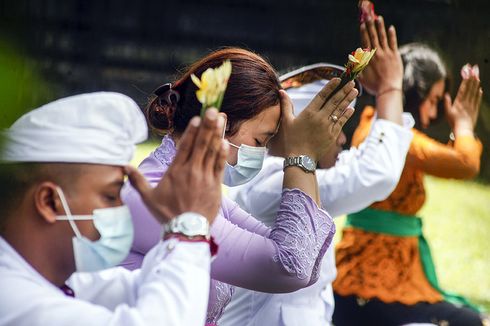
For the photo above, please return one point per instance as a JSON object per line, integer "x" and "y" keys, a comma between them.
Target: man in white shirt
{"x": 348, "y": 181}
{"x": 62, "y": 168}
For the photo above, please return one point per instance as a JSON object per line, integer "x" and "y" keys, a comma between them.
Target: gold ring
{"x": 334, "y": 118}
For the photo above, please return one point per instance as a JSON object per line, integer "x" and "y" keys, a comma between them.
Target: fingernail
{"x": 476, "y": 71}
{"x": 195, "y": 121}
{"x": 212, "y": 113}
{"x": 465, "y": 71}
{"x": 221, "y": 122}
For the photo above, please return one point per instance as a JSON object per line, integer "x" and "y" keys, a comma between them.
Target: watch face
{"x": 192, "y": 224}
{"x": 308, "y": 163}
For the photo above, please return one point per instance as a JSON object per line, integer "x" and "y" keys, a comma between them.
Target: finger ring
{"x": 334, "y": 118}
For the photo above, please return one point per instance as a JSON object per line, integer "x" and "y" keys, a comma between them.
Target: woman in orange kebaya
{"x": 385, "y": 271}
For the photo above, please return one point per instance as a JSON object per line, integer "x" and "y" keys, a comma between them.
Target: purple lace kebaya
{"x": 280, "y": 259}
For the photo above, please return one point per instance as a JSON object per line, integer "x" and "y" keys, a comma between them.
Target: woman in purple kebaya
{"x": 285, "y": 257}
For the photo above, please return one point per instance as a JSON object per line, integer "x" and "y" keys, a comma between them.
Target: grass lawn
{"x": 457, "y": 226}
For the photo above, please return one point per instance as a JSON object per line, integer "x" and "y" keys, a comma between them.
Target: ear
{"x": 225, "y": 125}
{"x": 47, "y": 201}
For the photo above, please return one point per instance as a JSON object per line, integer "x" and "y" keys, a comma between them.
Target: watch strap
{"x": 188, "y": 224}
{"x": 297, "y": 161}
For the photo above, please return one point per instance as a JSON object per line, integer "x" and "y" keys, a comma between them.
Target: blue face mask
{"x": 116, "y": 236}
{"x": 249, "y": 163}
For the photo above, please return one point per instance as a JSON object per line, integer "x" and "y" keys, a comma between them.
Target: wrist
{"x": 213, "y": 247}
{"x": 463, "y": 128}
{"x": 306, "y": 163}
{"x": 190, "y": 225}
{"x": 461, "y": 132}
{"x": 395, "y": 83}
{"x": 300, "y": 152}
{"x": 389, "y": 90}
{"x": 183, "y": 237}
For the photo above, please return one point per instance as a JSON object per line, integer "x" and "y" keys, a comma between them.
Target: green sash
{"x": 392, "y": 223}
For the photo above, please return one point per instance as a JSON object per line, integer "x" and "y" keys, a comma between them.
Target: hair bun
{"x": 161, "y": 108}
{"x": 167, "y": 95}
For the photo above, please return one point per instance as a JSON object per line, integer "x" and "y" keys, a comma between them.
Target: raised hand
{"x": 318, "y": 125}
{"x": 462, "y": 114}
{"x": 385, "y": 71}
{"x": 193, "y": 182}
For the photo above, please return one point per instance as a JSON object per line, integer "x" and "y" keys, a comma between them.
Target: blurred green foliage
{"x": 21, "y": 87}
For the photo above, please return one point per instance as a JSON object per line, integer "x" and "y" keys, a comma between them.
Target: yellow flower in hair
{"x": 212, "y": 86}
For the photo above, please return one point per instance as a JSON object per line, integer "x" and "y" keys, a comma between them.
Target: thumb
{"x": 287, "y": 109}
{"x": 138, "y": 182}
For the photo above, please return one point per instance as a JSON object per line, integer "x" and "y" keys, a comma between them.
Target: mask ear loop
{"x": 223, "y": 136}
{"x": 68, "y": 213}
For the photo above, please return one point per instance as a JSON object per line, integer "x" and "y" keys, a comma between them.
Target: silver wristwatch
{"x": 303, "y": 161}
{"x": 188, "y": 224}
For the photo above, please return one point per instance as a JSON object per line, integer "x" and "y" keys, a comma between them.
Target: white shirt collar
{"x": 11, "y": 259}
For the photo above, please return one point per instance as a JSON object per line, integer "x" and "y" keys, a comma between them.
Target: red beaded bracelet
{"x": 181, "y": 237}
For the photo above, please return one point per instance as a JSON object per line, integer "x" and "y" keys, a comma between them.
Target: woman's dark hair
{"x": 253, "y": 87}
{"x": 423, "y": 67}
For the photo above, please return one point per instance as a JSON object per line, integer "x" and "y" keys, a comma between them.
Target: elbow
{"x": 294, "y": 284}
{"x": 466, "y": 170}
{"x": 301, "y": 283}
{"x": 387, "y": 183}
{"x": 470, "y": 172}
{"x": 294, "y": 277}
{"x": 383, "y": 184}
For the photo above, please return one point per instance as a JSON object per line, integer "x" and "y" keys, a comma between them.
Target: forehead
{"x": 267, "y": 121}
{"x": 98, "y": 175}
{"x": 438, "y": 88}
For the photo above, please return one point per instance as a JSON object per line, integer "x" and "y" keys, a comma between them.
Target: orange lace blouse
{"x": 372, "y": 265}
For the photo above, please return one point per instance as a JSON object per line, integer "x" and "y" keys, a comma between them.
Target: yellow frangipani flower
{"x": 358, "y": 60}
{"x": 212, "y": 85}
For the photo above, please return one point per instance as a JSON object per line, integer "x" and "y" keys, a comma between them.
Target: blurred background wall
{"x": 53, "y": 48}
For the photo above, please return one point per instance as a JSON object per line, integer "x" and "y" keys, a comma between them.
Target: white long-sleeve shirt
{"x": 171, "y": 288}
{"x": 360, "y": 177}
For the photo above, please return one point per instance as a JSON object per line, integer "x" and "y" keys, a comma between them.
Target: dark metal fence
{"x": 133, "y": 46}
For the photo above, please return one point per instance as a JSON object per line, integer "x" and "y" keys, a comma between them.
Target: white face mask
{"x": 116, "y": 236}
{"x": 249, "y": 164}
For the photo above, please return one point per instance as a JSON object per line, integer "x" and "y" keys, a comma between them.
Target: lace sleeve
{"x": 280, "y": 259}
{"x": 220, "y": 295}
{"x": 303, "y": 233}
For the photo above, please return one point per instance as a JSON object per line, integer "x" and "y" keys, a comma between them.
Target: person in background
{"x": 64, "y": 225}
{"x": 282, "y": 258}
{"x": 385, "y": 271}
{"x": 348, "y": 181}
